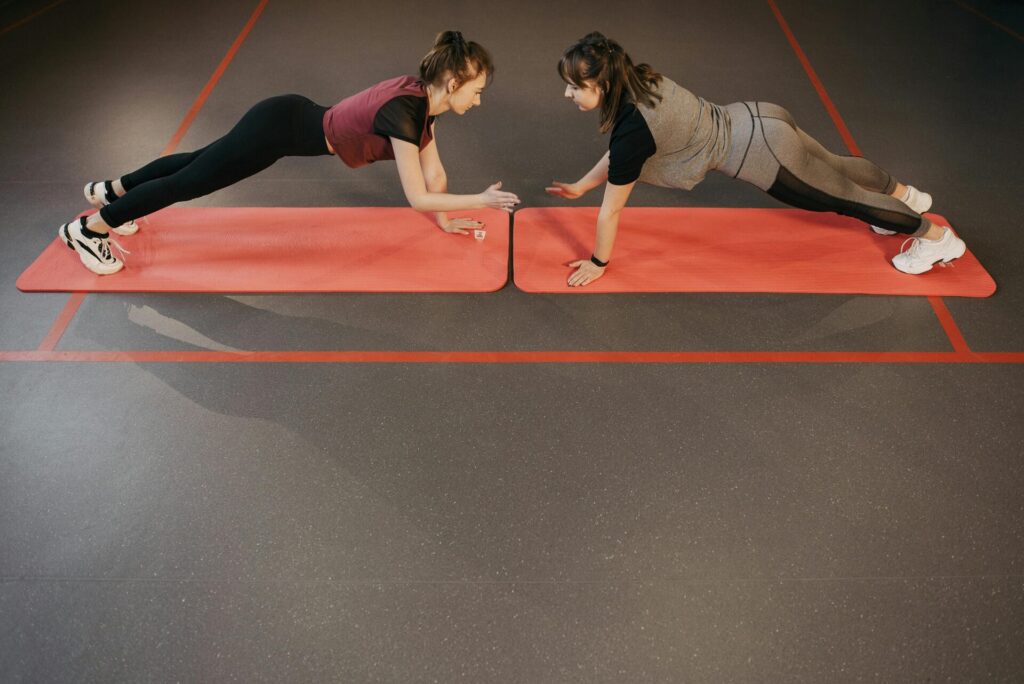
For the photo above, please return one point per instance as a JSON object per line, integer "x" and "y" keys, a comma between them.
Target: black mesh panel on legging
{"x": 791, "y": 190}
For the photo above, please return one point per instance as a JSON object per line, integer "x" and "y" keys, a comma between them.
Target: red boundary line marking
{"x": 212, "y": 83}
{"x": 949, "y": 326}
{"x": 705, "y": 357}
{"x": 956, "y": 338}
{"x": 844, "y": 132}
{"x": 25, "y": 20}
{"x": 989, "y": 19}
{"x": 76, "y": 299}
{"x": 49, "y": 342}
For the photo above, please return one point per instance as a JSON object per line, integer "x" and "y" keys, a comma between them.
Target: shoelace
{"x": 913, "y": 247}
{"x": 120, "y": 249}
{"x": 104, "y": 247}
{"x": 912, "y": 252}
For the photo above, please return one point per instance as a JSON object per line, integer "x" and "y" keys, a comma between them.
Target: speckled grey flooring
{"x": 510, "y": 523}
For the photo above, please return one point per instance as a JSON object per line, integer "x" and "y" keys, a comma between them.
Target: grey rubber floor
{"x": 510, "y": 522}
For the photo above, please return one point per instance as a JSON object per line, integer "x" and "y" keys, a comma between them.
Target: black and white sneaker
{"x": 93, "y": 248}
{"x": 101, "y": 193}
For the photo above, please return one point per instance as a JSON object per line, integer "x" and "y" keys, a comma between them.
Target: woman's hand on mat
{"x": 494, "y": 198}
{"x": 564, "y": 190}
{"x": 461, "y": 226}
{"x": 586, "y": 272}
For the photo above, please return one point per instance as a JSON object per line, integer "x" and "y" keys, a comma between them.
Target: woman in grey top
{"x": 664, "y": 135}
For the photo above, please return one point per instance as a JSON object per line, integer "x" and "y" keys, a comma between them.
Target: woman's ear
{"x": 453, "y": 85}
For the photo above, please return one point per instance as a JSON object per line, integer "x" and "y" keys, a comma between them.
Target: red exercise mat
{"x": 729, "y": 250}
{"x": 258, "y": 249}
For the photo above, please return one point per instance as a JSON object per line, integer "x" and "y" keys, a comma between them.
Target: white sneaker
{"x": 93, "y": 251}
{"x": 96, "y": 194}
{"x": 919, "y": 201}
{"x": 923, "y": 254}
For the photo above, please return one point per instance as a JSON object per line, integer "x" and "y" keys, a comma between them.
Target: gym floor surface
{"x": 508, "y": 487}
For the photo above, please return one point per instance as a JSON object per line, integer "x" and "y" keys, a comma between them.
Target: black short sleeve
{"x": 402, "y": 117}
{"x": 631, "y": 145}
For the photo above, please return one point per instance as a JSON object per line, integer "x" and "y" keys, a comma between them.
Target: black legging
{"x": 286, "y": 125}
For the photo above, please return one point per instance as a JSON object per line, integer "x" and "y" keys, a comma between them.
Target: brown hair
{"x": 453, "y": 57}
{"x": 597, "y": 58}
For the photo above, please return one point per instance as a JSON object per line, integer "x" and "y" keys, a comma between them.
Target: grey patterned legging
{"x": 768, "y": 150}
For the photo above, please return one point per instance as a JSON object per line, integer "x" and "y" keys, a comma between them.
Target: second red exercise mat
{"x": 730, "y": 250}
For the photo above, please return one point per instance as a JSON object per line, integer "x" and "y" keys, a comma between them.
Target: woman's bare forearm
{"x": 607, "y": 229}
{"x": 442, "y": 202}
{"x": 596, "y": 175}
{"x": 439, "y": 184}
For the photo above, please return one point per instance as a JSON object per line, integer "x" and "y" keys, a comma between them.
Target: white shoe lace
{"x": 912, "y": 252}
{"x": 120, "y": 249}
{"x": 104, "y": 248}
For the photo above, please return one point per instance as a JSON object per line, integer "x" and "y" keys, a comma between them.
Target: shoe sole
{"x": 924, "y": 207}
{"x": 91, "y": 199}
{"x": 63, "y": 233}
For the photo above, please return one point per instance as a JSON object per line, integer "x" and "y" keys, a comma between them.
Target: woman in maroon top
{"x": 391, "y": 120}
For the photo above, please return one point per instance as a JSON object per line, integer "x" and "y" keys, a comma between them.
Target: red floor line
{"x": 75, "y": 301}
{"x": 844, "y": 132}
{"x": 956, "y": 338}
{"x": 212, "y": 83}
{"x": 25, "y": 20}
{"x": 702, "y": 357}
{"x": 949, "y": 326}
{"x": 49, "y": 343}
{"x": 989, "y": 19}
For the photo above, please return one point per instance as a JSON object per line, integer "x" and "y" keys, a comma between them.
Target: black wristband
{"x": 597, "y": 262}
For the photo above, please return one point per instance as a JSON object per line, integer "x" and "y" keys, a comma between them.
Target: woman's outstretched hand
{"x": 461, "y": 226}
{"x": 564, "y": 190}
{"x": 586, "y": 272}
{"x": 494, "y": 198}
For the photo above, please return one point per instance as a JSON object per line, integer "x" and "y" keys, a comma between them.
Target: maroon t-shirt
{"x": 359, "y": 127}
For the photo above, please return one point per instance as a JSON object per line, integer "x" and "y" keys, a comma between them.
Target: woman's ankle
{"x": 96, "y": 224}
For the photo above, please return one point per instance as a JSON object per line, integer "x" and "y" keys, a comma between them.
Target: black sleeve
{"x": 631, "y": 145}
{"x": 402, "y": 117}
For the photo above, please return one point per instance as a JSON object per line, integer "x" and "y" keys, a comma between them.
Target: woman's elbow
{"x": 437, "y": 182}
{"x": 417, "y": 202}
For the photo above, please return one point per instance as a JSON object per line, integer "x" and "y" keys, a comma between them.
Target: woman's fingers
{"x": 461, "y": 226}
{"x": 560, "y": 189}
{"x": 585, "y": 274}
